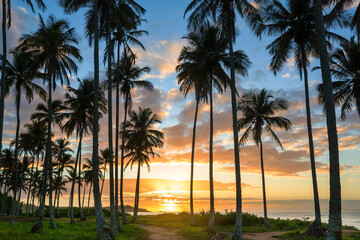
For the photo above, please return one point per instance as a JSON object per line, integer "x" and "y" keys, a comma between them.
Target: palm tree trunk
{"x": 317, "y": 222}
{"x": 19, "y": 197}
{"x": 13, "y": 204}
{"x": 114, "y": 224}
{"x": 124, "y": 218}
{"x": 238, "y": 219}
{"x": 51, "y": 209}
{"x": 57, "y": 191}
{"x": 58, "y": 197}
{"x": 100, "y": 220}
{"x": 72, "y": 219}
{"x": 211, "y": 225}
{"x": 103, "y": 181}
{"x": 117, "y": 146}
{"x": 3, "y": 201}
{"x": 3, "y": 71}
{"x": 89, "y": 199}
{"x": 335, "y": 221}
{"x": 82, "y": 206}
{"x": 192, "y": 217}
{"x": 30, "y": 183}
{"x": 266, "y": 221}
{"x": 39, "y": 225}
{"x": 137, "y": 193}
{"x": 82, "y": 217}
{"x": 36, "y": 171}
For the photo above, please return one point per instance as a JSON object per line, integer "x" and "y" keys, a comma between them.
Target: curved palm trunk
{"x": 124, "y": 218}
{"x": 100, "y": 220}
{"x": 34, "y": 193}
{"x": 30, "y": 183}
{"x": 266, "y": 221}
{"x": 192, "y": 217}
{"x": 88, "y": 208}
{"x": 57, "y": 191}
{"x": 72, "y": 219}
{"x": 81, "y": 212}
{"x": 3, "y": 71}
{"x": 335, "y": 221}
{"x": 211, "y": 225}
{"x": 58, "y": 196}
{"x": 13, "y": 204}
{"x": 114, "y": 224}
{"x": 137, "y": 193}
{"x": 117, "y": 148}
{"x": 238, "y": 219}
{"x": 39, "y": 225}
{"x": 317, "y": 222}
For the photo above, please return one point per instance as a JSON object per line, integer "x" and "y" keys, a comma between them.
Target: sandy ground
{"x": 160, "y": 233}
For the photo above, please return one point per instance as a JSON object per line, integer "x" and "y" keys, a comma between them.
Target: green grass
{"x": 79, "y": 231}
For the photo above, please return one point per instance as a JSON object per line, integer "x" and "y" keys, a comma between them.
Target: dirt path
{"x": 160, "y": 233}
{"x": 262, "y": 236}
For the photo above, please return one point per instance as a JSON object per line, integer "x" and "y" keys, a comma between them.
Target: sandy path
{"x": 160, "y": 233}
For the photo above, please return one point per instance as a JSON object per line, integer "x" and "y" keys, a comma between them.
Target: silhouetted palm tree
{"x": 80, "y": 103}
{"x": 53, "y": 47}
{"x": 20, "y": 74}
{"x": 259, "y": 110}
{"x": 141, "y": 139}
{"x": 72, "y": 6}
{"x": 345, "y": 69}
{"x": 104, "y": 159}
{"x": 224, "y": 12}
{"x": 6, "y": 23}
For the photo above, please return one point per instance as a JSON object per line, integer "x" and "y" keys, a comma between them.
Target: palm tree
{"x": 258, "y": 111}
{"x": 71, "y": 6}
{"x": 189, "y": 79}
{"x": 53, "y": 47}
{"x": 58, "y": 109}
{"x": 296, "y": 28}
{"x": 36, "y": 137}
{"x": 224, "y": 12}
{"x": 7, "y": 157}
{"x": 125, "y": 32}
{"x": 6, "y": 23}
{"x": 344, "y": 67}
{"x": 80, "y": 103}
{"x": 335, "y": 222}
{"x": 129, "y": 74}
{"x": 20, "y": 74}
{"x": 207, "y": 54}
{"x": 62, "y": 152}
{"x": 104, "y": 159}
{"x": 141, "y": 139}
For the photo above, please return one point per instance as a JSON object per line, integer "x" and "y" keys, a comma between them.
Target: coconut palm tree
{"x": 62, "y": 153}
{"x": 36, "y": 137}
{"x": 72, "y": 6}
{"x": 141, "y": 139}
{"x": 296, "y": 35}
{"x": 80, "y": 103}
{"x": 129, "y": 74}
{"x": 189, "y": 79}
{"x": 207, "y": 53}
{"x": 259, "y": 110}
{"x": 53, "y": 47}
{"x": 7, "y": 157}
{"x": 224, "y": 12}
{"x": 58, "y": 111}
{"x": 20, "y": 75}
{"x": 344, "y": 68}
{"x": 6, "y": 23}
{"x": 104, "y": 159}
{"x": 335, "y": 222}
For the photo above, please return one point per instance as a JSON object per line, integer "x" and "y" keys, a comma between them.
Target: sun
{"x": 170, "y": 205}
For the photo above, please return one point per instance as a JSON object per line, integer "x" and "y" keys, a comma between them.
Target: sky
{"x": 166, "y": 186}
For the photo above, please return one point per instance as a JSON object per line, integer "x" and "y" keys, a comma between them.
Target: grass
{"x": 79, "y": 231}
